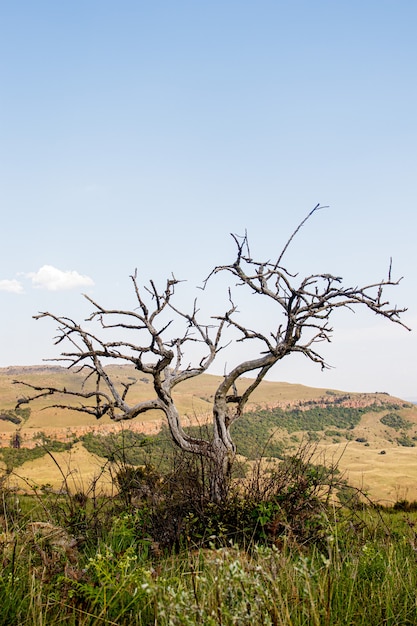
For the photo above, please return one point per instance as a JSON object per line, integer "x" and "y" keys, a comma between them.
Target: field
{"x": 369, "y": 454}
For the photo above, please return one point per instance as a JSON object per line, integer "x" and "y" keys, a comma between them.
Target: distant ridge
{"x": 16, "y": 370}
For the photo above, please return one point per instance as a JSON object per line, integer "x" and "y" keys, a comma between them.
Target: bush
{"x": 406, "y": 441}
{"x": 288, "y": 501}
{"x": 16, "y": 416}
{"x": 126, "y": 447}
{"x": 396, "y": 421}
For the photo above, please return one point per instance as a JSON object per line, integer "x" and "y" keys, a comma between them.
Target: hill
{"x": 373, "y": 434}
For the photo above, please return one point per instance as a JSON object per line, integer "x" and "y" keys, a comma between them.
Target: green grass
{"x": 280, "y": 551}
{"x": 365, "y": 579}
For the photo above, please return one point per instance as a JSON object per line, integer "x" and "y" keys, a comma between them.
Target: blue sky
{"x": 141, "y": 134}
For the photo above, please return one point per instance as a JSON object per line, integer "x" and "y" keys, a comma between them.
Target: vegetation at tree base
{"x": 291, "y": 544}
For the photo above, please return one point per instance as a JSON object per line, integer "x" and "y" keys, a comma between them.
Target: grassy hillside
{"x": 373, "y": 434}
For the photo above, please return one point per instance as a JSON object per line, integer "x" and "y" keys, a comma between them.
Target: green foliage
{"x": 280, "y": 550}
{"x": 139, "y": 483}
{"x": 367, "y": 577}
{"x": 253, "y": 432}
{"x": 176, "y": 504}
{"x": 114, "y": 586}
{"x": 333, "y": 433}
{"x": 131, "y": 448}
{"x": 23, "y": 412}
{"x": 405, "y": 505}
{"x": 406, "y": 441}
{"x": 396, "y": 421}
{"x": 14, "y": 457}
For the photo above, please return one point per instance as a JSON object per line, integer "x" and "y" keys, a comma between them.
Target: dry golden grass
{"x": 386, "y": 478}
{"x": 79, "y": 468}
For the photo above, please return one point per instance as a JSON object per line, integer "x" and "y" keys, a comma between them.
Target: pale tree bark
{"x": 304, "y": 307}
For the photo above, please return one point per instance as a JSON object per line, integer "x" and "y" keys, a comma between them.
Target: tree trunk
{"x": 222, "y": 456}
{"x": 220, "y": 453}
{"x": 220, "y": 473}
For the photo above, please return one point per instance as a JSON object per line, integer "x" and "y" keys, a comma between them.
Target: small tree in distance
{"x": 304, "y": 307}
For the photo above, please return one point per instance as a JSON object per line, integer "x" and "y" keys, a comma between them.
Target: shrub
{"x": 16, "y": 416}
{"x": 396, "y": 421}
{"x": 406, "y": 441}
{"x": 126, "y": 447}
{"x": 288, "y": 501}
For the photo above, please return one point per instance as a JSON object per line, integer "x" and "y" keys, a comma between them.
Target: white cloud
{"x": 53, "y": 279}
{"x": 12, "y": 286}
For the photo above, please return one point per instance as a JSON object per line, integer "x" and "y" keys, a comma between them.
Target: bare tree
{"x": 304, "y": 307}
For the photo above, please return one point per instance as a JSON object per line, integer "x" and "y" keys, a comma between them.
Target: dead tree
{"x": 303, "y": 308}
